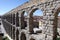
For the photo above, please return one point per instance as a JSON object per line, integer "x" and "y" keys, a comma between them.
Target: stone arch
{"x": 23, "y": 36}
{"x": 31, "y": 22}
{"x": 56, "y": 12}
{"x": 23, "y": 22}
{"x": 17, "y": 34}
{"x": 17, "y": 19}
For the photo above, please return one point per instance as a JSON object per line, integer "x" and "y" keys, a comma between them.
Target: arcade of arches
{"x": 21, "y": 26}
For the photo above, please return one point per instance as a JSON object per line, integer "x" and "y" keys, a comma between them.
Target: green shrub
{"x": 58, "y": 39}
{"x": 5, "y": 38}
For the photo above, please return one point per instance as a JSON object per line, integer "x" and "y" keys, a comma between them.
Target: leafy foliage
{"x": 58, "y": 39}
{"x": 5, "y": 38}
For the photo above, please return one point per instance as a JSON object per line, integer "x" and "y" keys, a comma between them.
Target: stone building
{"x": 15, "y": 23}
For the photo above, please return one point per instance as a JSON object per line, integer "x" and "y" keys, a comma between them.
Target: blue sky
{"x": 7, "y": 5}
{"x": 36, "y": 13}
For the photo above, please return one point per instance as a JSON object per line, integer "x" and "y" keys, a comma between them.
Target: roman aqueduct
{"x": 14, "y": 20}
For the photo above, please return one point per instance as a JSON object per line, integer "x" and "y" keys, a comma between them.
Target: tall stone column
{"x": 30, "y": 24}
{"x": 48, "y": 27}
{"x": 15, "y": 26}
{"x": 20, "y": 20}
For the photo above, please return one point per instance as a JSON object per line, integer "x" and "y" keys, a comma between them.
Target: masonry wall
{"x": 50, "y": 9}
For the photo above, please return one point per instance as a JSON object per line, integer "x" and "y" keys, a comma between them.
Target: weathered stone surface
{"x": 50, "y": 9}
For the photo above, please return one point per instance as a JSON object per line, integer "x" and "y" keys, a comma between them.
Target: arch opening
{"x": 17, "y": 34}
{"x": 35, "y": 21}
{"x": 23, "y": 20}
{"x": 17, "y": 19}
{"x": 13, "y": 19}
{"x": 23, "y": 36}
{"x": 13, "y": 33}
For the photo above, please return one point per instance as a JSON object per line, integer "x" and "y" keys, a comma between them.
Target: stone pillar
{"x": 48, "y": 26}
{"x": 30, "y": 24}
{"x": 21, "y": 20}
{"x": 15, "y": 26}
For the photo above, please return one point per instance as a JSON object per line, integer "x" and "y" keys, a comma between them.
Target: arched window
{"x": 35, "y": 21}
{"x": 23, "y": 20}
{"x": 37, "y": 16}
{"x": 25, "y": 14}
